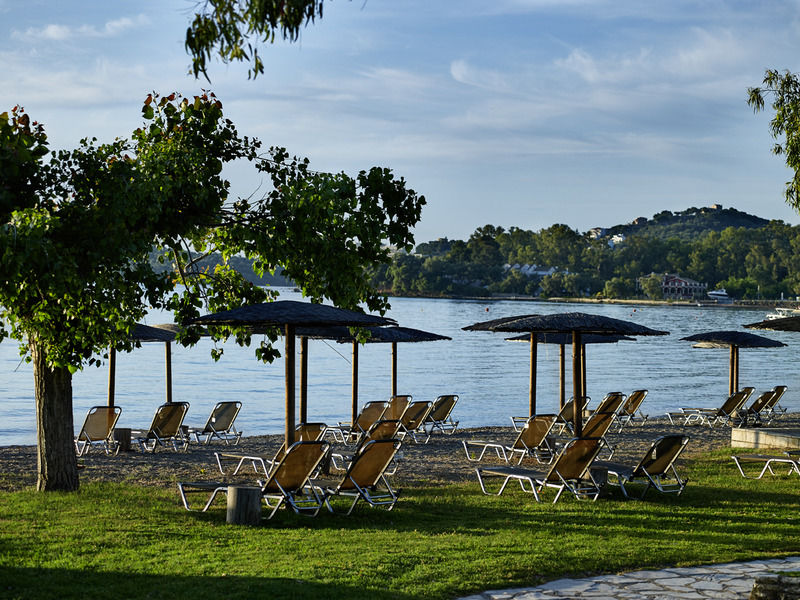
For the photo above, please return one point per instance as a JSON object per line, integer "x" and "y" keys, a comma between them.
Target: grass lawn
{"x": 124, "y": 541}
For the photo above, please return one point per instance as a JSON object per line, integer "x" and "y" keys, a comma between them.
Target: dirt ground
{"x": 439, "y": 462}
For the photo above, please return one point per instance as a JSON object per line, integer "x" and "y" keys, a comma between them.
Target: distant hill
{"x": 242, "y": 265}
{"x": 685, "y": 225}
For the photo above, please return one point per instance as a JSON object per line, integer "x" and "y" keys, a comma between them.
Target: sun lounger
{"x": 751, "y": 415}
{"x": 776, "y": 411}
{"x": 98, "y": 430}
{"x": 413, "y": 422}
{"x": 305, "y": 432}
{"x": 385, "y": 429}
{"x": 349, "y": 433}
{"x": 598, "y": 425}
{"x": 398, "y": 405}
{"x": 440, "y": 418}
{"x": 571, "y": 471}
{"x": 727, "y": 414}
{"x": 166, "y": 428}
{"x": 566, "y": 416}
{"x": 365, "y": 478}
{"x": 531, "y": 441}
{"x": 220, "y": 425}
{"x": 790, "y": 459}
{"x": 656, "y": 468}
{"x": 289, "y": 482}
{"x": 631, "y": 411}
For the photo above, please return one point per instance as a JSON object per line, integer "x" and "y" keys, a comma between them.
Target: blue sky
{"x": 512, "y": 112}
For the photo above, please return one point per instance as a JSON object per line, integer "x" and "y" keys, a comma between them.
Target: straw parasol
{"x": 376, "y": 335}
{"x": 562, "y": 339}
{"x": 576, "y": 324}
{"x": 733, "y": 340}
{"x": 290, "y": 314}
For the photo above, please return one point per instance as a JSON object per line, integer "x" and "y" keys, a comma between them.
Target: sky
{"x": 515, "y": 113}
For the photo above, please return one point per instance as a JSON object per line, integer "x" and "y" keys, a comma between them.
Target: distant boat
{"x": 719, "y": 295}
{"x": 782, "y": 313}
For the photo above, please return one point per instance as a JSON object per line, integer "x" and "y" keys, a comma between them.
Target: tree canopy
{"x": 79, "y": 228}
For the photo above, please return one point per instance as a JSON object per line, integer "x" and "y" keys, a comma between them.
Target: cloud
{"x": 57, "y": 33}
{"x": 463, "y": 72}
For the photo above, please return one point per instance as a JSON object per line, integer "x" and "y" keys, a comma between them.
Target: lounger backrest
{"x": 611, "y": 402}
{"x": 442, "y": 407}
{"x": 369, "y": 464}
{"x": 99, "y": 423}
{"x": 735, "y": 401}
{"x": 567, "y": 413}
{"x": 296, "y": 466}
{"x": 780, "y": 390}
{"x": 662, "y": 454}
{"x": 761, "y": 402}
{"x": 416, "y": 414}
{"x": 574, "y": 459}
{"x": 598, "y": 424}
{"x": 169, "y": 418}
{"x": 398, "y": 405}
{"x": 385, "y": 429}
{"x": 223, "y": 416}
{"x": 633, "y": 402}
{"x": 371, "y": 412}
{"x": 304, "y": 432}
{"x": 534, "y": 432}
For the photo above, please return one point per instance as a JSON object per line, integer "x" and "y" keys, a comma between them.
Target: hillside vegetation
{"x": 749, "y": 256}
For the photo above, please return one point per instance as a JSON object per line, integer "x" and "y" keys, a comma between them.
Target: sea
{"x": 489, "y": 374}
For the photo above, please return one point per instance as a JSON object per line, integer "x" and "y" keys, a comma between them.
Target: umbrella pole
{"x": 304, "y": 379}
{"x": 394, "y": 369}
{"x": 168, "y": 367}
{"x": 731, "y": 370}
{"x": 112, "y": 375}
{"x": 354, "y": 406}
{"x": 290, "y": 383}
{"x": 736, "y": 370}
{"x": 583, "y": 371}
{"x": 577, "y": 385}
{"x": 562, "y": 398}
{"x": 532, "y": 384}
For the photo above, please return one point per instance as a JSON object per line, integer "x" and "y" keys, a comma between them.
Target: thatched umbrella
{"x": 343, "y": 335}
{"x": 733, "y": 340}
{"x": 577, "y": 324}
{"x": 145, "y": 333}
{"x": 562, "y": 339}
{"x": 784, "y": 324}
{"x": 290, "y": 314}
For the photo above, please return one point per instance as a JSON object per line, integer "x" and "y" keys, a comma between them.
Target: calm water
{"x": 489, "y": 374}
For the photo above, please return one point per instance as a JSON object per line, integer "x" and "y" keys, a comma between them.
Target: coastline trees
{"x": 78, "y": 229}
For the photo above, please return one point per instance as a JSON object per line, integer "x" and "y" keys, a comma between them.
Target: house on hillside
{"x": 675, "y": 287}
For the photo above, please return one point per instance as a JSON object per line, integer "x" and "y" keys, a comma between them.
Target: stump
{"x": 122, "y": 435}
{"x": 244, "y": 505}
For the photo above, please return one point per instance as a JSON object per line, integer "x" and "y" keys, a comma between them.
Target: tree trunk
{"x": 57, "y": 465}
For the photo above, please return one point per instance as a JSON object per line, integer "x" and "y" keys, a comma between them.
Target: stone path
{"x": 729, "y": 581}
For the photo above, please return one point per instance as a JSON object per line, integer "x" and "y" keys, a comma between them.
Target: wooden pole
{"x": 354, "y": 407}
{"x": 731, "y": 370}
{"x": 112, "y": 375}
{"x": 288, "y": 360}
{"x": 303, "y": 379}
{"x": 394, "y": 369}
{"x": 168, "y": 367}
{"x": 532, "y": 384}
{"x": 577, "y": 385}
{"x": 562, "y": 397}
{"x": 583, "y": 370}
{"x": 736, "y": 369}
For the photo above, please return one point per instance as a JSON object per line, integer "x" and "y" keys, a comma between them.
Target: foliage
{"x": 455, "y": 540}
{"x": 233, "y": 29}
{"x": 784, "y": 88}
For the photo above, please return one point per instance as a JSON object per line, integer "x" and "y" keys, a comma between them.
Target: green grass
{"x": 124, "y": 541}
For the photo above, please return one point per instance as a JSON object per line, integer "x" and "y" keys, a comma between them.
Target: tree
{"x": 233, "y": 29}
{"x": 79, "y": 229}
{"x": 785, "y": 91}
{"x": 651, "y": 286}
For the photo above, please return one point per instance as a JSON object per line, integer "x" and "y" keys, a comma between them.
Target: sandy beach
{"x": 439, "y": 462}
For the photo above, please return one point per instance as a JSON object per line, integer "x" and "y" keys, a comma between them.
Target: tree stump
{"x": 244, "y": 505}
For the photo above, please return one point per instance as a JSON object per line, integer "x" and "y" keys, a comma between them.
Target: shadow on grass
{"x": 60, "y": 584}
